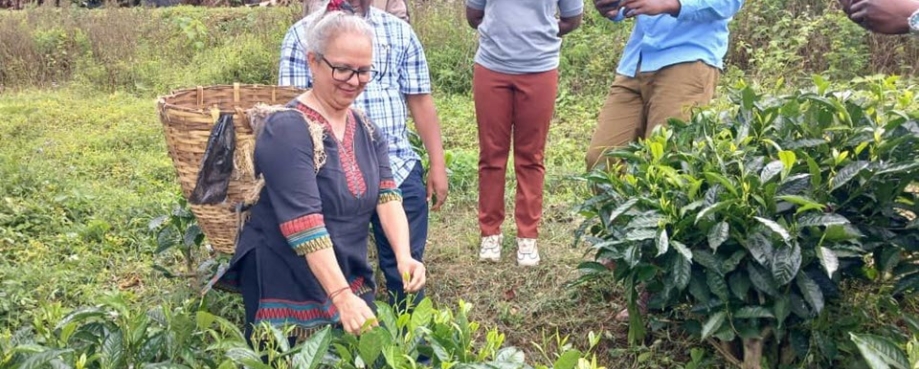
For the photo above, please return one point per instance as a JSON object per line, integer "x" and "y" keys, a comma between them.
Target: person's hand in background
{"x": 882, "y": 16}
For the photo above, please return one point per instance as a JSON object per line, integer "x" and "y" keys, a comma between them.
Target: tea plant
{"x": 179, "y": 230}
{"x": 743, "y": 223}
{"x": 111, "y": 335}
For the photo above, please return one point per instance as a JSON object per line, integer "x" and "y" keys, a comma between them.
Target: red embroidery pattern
{"x": 387, "y": 184}
{"x": 346, "y": 154}
{"x": 302, "y": 223}
{"x": 282, "y": 309}
{"x": 303, "y": 312}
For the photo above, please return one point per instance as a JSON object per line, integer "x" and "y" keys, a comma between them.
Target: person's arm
{"x": 284, "y": 154}
{"x": 890, "y": 17}
{"x": 566, "y": 25}
{"x": 475, "y": 12}
{"x": 393, "y": 219}
{"x": 424, "y": 113}
{"x": 686, "y": 10}
{"x": 708, "y": 10}
{"x": 293, "y": 69}
{"x": 397, "y": 8}
{"x": 845, "y": 6}
{"x": 415, "y": 85}
{"x": 609, "y": 9}
{"x": 570, "y": 13}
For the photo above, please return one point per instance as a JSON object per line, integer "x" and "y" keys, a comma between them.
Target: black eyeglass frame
{"x": 369, "y": 73}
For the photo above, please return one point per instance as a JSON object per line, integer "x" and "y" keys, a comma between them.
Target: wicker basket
{"x": 187, "y": 119}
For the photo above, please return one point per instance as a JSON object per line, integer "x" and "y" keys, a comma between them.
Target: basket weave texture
{"x": 187, "y": 120}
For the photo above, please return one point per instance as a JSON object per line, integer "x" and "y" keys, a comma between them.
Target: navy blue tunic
{"x": 301, "y": 210}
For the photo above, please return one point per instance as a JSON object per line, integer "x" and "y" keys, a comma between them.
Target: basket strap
{"x": 365, "y": 120}
{"x": 317, "y": 132}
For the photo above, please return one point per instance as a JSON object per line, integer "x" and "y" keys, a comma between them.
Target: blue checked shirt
{"x": 401, "y": 69}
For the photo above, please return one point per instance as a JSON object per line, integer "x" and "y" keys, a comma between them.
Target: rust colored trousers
{"x": 512, "y": 109}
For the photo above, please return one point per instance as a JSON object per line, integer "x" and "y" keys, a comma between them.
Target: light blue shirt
{"x": 699, "y": 32}
{"x": 521, "y": 36}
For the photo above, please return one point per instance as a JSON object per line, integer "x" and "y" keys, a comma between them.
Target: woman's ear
{"x": 311, "y": 58}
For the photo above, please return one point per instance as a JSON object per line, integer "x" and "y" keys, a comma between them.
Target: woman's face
{"x": 341, "y": 74}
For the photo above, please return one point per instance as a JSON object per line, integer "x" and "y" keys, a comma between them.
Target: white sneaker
{"x": 491, "y": 248}
{"x": 527, "y": 254}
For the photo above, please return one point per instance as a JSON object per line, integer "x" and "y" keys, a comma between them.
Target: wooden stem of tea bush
{"x": 724, "y": 348}
{"x": 752, "y": 353}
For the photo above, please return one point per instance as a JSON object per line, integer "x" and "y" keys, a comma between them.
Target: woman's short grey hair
{"x": 327, "y": 25}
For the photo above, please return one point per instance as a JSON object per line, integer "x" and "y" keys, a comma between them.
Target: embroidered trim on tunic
{"x": 307, "y": 234}
{"x": 389, "y": 192}
{"x": 307, "y": 316}
{"x": 346, "y": 154}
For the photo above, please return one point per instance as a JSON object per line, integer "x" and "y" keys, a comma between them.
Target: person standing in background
{"x": 394, "y": 7}
{"x": 515, "y": 82}
{"x": 672, "y": 61}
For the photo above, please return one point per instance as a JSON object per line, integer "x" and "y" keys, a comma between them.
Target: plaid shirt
{"x": 401, "y": 70}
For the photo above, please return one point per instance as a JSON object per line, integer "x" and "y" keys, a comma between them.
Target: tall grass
{"x": 150, "y": 51}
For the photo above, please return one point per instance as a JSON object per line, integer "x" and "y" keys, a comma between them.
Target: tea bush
{"x": 113, "y": 335}
{"x": 743, "y": 223}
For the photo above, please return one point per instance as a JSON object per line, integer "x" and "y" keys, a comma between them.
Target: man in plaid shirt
{"x": 401, "y": 85}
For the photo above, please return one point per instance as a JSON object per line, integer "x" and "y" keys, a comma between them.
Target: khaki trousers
{"x": 634, "y": 106}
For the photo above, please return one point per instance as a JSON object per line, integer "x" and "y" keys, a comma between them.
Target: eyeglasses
{"x": 344, "y": 74}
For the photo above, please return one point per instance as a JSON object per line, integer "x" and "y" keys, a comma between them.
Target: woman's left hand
{"x": 413, "y": 275}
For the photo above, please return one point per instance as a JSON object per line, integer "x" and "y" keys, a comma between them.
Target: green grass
{"x": 84, "y": 172}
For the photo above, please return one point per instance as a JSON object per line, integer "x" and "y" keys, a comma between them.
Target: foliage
{"x": 796, "y": 38}
{"x": 149, "y": 51}
{"x": 111, "y": 335}
{"x": 462, "y": 166}
{"x": 140, "y": 50}
{"x": 179, "y": 231}
{"x": 745, "y": 222}
{"x": 774, "y": 39}
{"x": 83, "y": 174}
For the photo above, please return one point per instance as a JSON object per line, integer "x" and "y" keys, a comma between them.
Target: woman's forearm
{"x": 395, "y": 226}
{"x": 324, "y": 266}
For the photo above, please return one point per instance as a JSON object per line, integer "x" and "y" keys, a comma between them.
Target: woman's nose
{"x": 355, "y": 80}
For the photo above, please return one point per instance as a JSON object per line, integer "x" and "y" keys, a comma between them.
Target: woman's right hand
{"x": 353, "y": 312}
